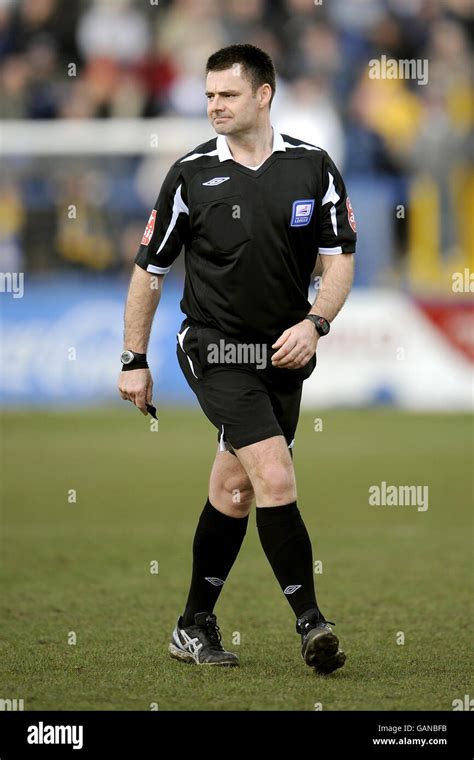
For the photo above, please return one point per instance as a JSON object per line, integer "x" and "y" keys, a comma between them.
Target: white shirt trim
{"x": 223, "y": 150}
{"x": 179, "y": 207}
{"x": 198, "y": 155}
{"x": 302, "y": 145}
{"x": 331, "y": 251}
{"x": 157, "y": 270}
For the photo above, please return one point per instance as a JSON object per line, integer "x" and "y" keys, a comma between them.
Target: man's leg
{"x": 219, "y": 534}
{"x": 286, "y": 543}
{"x": 281, "y": 529}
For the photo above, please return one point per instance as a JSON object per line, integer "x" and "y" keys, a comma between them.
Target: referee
{"x": 253, "y": 209}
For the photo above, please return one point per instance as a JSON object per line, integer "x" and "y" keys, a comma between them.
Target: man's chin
{"x": 223, "y": 127}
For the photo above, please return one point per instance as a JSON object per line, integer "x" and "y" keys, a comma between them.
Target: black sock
{"x": 216, "y": 545}
{"x": 286, "y": 543}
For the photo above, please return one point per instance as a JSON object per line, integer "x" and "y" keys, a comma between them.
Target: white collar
{"x": 223, "y": 150}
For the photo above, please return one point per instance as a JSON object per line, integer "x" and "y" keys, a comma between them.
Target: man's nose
{"x": 217, "y": 104}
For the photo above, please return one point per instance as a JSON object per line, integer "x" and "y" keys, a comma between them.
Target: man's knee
{"x": 270, "y": 469}
{"x": 230, "y": 489}
{"x": 239, "y": 492}
{"x": 275, "y": 484}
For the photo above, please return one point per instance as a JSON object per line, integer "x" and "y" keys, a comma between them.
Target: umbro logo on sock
{"x": 291, "y": 589}
{"x": 215, "y": 581}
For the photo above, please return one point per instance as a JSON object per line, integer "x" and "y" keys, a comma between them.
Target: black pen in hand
{"x": 151, "y": 410}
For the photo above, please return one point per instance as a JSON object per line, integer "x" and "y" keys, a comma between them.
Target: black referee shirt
{"x": 251, "y": 237}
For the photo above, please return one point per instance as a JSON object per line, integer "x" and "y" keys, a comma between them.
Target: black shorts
{"x": 247, "y": 401}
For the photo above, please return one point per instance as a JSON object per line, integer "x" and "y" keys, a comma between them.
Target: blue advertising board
{"x": 61, "y": 343}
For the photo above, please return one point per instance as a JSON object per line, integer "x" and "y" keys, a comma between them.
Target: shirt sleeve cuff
{"x": 157, "y": 270}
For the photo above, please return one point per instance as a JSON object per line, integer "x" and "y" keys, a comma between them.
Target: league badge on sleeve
{"x": 149, "y": 228}
{"x": 302, "y": 213}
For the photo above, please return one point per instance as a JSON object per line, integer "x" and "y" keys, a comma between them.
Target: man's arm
{"x": 165, "y": 234}
{"x": 136, "y": 385}
{"x": 297, "y": 344}
{"x": 337, "y": 275}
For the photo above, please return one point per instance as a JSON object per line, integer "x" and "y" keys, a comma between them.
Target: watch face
{"x": 323, "y": 326}
{"x": 127, "y": 357}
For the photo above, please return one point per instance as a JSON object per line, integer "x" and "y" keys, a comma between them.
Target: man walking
{"x": 253, "y": 209}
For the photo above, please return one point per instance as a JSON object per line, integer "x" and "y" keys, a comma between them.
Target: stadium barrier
{"x": 61, "y": 344}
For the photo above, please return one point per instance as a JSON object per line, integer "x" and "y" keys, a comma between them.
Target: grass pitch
{"x": 85, "y": 624}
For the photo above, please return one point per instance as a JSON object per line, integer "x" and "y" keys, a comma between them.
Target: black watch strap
{"x": 321, "y": 324}
{"x": 133, "y": 360}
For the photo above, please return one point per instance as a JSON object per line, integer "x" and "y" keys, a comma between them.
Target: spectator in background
{"x": 309, "y": 42}
{"x": 257, "y": 23}
{"x": 46, "y": 20}
{"x": 356, "y": 20}
{"x": 450, "y": 72}
{"x": 6, "y": 38}
{"x": 392, "y": 110}
{"x": 369, "y": 150}
{"x": 189, "y": 34}
{"x": 305, "y": 111}
{"x": 14, "y": 80}
{"x": 242, "y": 19}
{"x": 113, "y": 37}
{"x": 12, "y": 217}
{"x": 44, "y": 83}
{"x": 41, "y": 37}
{"x": 445, "y": 129}
{"x": 87, "y": 242}
{"x": 113, "y": 29}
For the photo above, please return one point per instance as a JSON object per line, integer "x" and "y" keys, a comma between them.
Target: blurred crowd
{"x": 85, "y": 59}
{"x": 125, "y": 58}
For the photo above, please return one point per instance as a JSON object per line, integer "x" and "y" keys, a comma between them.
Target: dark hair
{"x": 257, "y": 65}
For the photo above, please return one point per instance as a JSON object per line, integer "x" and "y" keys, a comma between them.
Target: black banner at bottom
{"x": 146, "y": 734}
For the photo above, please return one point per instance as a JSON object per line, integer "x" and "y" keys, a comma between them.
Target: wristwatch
{"x": 133, "y": 360}
{"x": 321, "y": 324}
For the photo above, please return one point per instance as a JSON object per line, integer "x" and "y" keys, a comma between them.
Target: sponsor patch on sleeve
{"x": 149, "y": 228}
{"x": 302, "y": 213}
{"x": 350, "y": 215}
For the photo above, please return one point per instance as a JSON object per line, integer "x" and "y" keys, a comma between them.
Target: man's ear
{"x": 264, "y": 94}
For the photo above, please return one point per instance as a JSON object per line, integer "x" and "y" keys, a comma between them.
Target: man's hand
{"x": 297, "y": 345}
{"x": 136, "y": 385}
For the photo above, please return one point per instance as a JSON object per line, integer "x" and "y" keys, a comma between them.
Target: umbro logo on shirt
{"x": 215, "y": 181}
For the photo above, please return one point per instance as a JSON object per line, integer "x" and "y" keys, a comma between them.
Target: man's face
{"x": 232, "y": 107}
